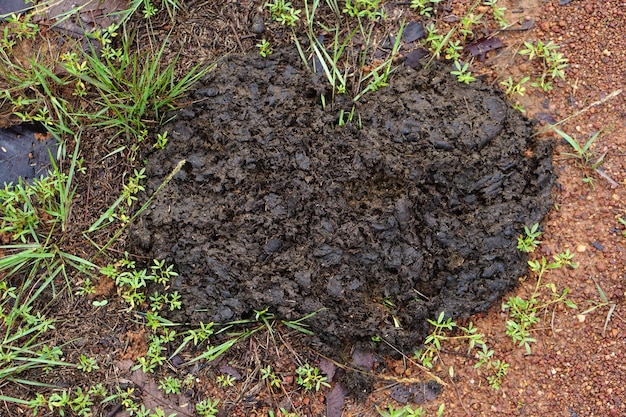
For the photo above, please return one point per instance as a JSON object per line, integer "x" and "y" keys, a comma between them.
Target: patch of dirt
{"x": 376, "y": 227}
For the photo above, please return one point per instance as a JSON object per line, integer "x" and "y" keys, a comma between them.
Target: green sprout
{"x": 529, "y": 241}
{"x": 309, "y": 378}
{"x": 462, "y": 73}
{"x": 265, "y": 49}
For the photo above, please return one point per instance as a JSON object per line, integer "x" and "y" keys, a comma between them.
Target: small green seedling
{"x": 270, "y": 377}
{"x": 309, "y": 377}
{"x": 424, "y": 7}
{"x": 467, "y": 22}
{"x": 512, "y": 88}
{"x": 87, "y": 288}
{"x": 171, "y": 385}
{"x": 523, "y": 314}
{"x": 265, "y": 48}
{"x": 428, "y": 354}
{"x": 554, "y": 63}
{"x": 529, "y": 241}
{"x": 283, "y": 12}
{"x": 161, "y": 141}
{"x": 406, "y": 411}
{"x": 497, "y": 367}
{"x": 604, "y": 303}
{"x": 581, "y": 152}
{"x": 498, "y": 12}
{"x": 283, "y": 413}
{"x": 87, "y": 364}
{"x": 453, "y": 50}
{"x": 462, "y": 72}
{"x": 369, "y": 9}
{"x": 225, "y": 380}
{"x": 207, "y": 408}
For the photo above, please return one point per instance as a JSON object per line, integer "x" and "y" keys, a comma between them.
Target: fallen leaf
{"x": 335, "y": 400}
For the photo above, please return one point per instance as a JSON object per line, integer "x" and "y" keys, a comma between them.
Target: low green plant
{"x": 379, "y": 76}
{"x": 161, "y": 141}
{"x": 335, "y": 61}
{"x": 149, "y": 9}
{"x": 523, "y": 313}
{"x": 125, "y": 397}
{"x": 124, "y": 90}
{"x": 283, "y": 413}
{"x": 154, "y": 356}
{"x": 283, "y": 12}
{"x": 406, "y": 411}
{"x": 225, "y": 380}
{"x": 86, "y": 288}
{"x": 100, "y": 303}
{"x": 77, "y": 402}
{"x": 134, "y": 89}
{"x": 497, "y": 367}
{"x": 171, "y": 385}
{"x": 207, "y": 408}
{"x": 309, "y": 378}
{"x": 604, "y": 302}
{"x": 429, "y": 353}
{"x": 513, "y": 88}
{"x": 453, "y": 50}
{"x": 268, "y": 375}
{"x": 434, "y": 40}
{"x": 87, "y": 364}
{"x": 581, "y": 152}
{"x": 552, "y": 61}
{"x": 462, "y": 72}
{"x": 265, "y": 49}
{"x": 500, "y": 369}
{"x": 330, "y": 64}
{"x": 425, "y": 7}
{"x": 442, "y": 329}
{"x": 21, "y": 27}
{"x": 33, "y": 265}
{"x": 498, "y": 12}
{"x": 368, "y": 9}
{"x": 529, "y": 241}
{"x": 131, "y": 283}
{"x": 466, "y": 26}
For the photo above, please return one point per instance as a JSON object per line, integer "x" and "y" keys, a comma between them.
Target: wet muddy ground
{"x": 411, "y": 209}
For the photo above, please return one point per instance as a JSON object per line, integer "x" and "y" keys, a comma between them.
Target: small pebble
{"x": 581, "y": 248}
{"x": 597, "y": 245}
{"x": 258, "y": 26}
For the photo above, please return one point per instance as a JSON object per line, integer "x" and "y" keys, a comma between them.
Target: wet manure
{"x": 416, "y": 211}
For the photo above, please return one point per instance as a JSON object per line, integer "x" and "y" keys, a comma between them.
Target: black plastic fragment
{"x": 24, "y": 153}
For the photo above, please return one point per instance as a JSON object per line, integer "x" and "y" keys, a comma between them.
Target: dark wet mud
{"x": 382, "y": 226}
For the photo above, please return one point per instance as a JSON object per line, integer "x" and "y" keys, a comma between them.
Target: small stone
{"x": 258, "y": 26}
{"x": 601, "y": 266}
{"x": 581, "y": 248}
{"x": 581, "y": 317}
